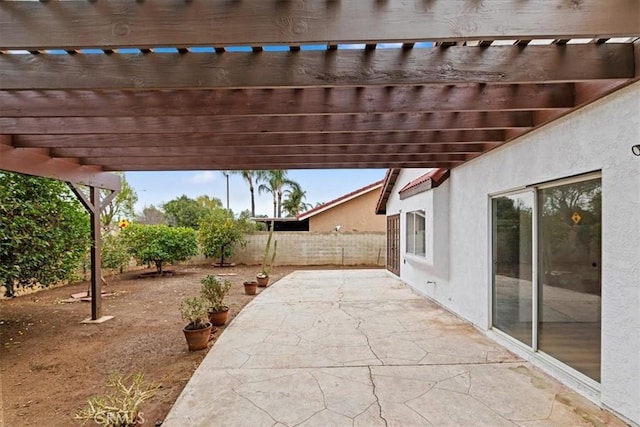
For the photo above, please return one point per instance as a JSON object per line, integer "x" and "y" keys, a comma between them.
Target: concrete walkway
{"x": 359, "y": 348}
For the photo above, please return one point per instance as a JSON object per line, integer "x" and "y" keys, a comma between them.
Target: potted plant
{"x": 263, "y": 277}
{"x": 250, "y": 287}
{"x": 122, "y": 408}
{"x": 214, "y": 291}
{"x": 198, "y": 330}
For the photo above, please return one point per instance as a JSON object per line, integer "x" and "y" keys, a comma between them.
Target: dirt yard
{"x": 50, "y": 363}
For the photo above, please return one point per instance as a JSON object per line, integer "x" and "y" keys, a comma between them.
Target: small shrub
{"x": 122, "y": 407}
{"x": 114, "y": 252}
{"x": 194, "y": 311}
{"x": 214, "y": 291}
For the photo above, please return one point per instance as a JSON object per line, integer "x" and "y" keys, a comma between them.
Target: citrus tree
{"x": 160, "y": 244}
{"x": 44, "y": 232}
{"x": 218, "y": 233}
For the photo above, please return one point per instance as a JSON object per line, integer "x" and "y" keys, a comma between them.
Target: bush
{"x": 214, "y": 291}
{"x": 160, "y": 244}
{"x": 218, "y": 232}
{"x": 114, "y": 252}
{"x": 194, "y": 311}
{"x": 44, "y": 232}
{"x": 122, "y": 407}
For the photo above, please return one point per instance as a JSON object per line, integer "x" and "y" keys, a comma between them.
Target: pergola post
{"x": 96, "y": 260}
{"x": 94, "y": 206}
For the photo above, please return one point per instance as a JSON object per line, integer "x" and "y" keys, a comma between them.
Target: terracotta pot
{"x": 262, "y": 281}
{"x": 250, "y": 287}
{"x": 197, "y": 339}
{"x": 218, "y": 318}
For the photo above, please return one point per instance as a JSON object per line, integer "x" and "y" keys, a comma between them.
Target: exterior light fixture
{"x": 636, "y": 150}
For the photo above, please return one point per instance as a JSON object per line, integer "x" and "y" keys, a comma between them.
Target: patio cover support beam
{"x": 270, "y": 139}
{"x": 339, "y": 100}
{"x": 248, "y": 124}
{"x": 94, "y": 205}
{"x": 452, "y": 65}
{"x": 361, "y": 164}
{"x": 363, "y": 149}
{"x": 35, "y": 162}
{"x": 121, "y": 23}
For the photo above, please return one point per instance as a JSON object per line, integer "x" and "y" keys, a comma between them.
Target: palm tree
{"x": 250, "y": 176}
{"x": 294, "y": 201}
{"x": 274, "y": 181}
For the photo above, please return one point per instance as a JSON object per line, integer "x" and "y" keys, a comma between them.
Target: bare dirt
{"x": 50, "y": 363}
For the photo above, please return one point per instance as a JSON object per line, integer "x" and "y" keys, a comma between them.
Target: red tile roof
{"x": 342, "y": 199}
{"x": 433, "y": 178}
{"x": 387, "y": 186}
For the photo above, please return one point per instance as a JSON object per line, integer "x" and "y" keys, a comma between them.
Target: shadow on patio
{"x": 359, "y": 348}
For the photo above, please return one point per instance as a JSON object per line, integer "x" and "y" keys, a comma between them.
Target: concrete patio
{"x": 359, "y": 348}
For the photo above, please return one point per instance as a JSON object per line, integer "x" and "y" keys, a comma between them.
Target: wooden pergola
{"x": 88, "y": 87}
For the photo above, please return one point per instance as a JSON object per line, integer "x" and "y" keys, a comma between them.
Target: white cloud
{"x": 203, "y": 177}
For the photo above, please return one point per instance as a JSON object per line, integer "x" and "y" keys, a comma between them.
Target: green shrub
{"x": 214, "y": 291}
{"x": 160, "y": 244}
{"x": 115, "y": 255}
{"x": 194, "y": 311}
{"x": 44, "y": 232}
{"x": 122, "y": 407}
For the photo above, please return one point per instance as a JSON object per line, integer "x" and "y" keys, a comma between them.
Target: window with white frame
{"x": 416, "y": 233}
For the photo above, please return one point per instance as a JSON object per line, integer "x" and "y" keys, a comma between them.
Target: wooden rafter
{"x": 272, "y": 139}
{"x": 122, "y": 23}
{"x": 249, "y": 124}
{"x": 291, "y": 151}
{"x": 35, "y": 162}
{"x": 266, "y": 164}
{"x": 292, "y": 101}
{"x": 389, "y": 67}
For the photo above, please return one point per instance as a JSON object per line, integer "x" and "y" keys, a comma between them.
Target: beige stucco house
{"x": 354, "y": 211}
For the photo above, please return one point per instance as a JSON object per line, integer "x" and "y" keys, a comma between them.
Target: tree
{"x": 184, "y": 212}
{"x": 250, "y": 176}
{"x": 274, "y": 182}
{"x": 209, "y": 203}
{"x": 151, "y": 215}
{"x": 160, "y": 244}
{"x": 44, "y": 232}
{"x": 294, "y": 200}
{"x": 121, "y": 206}
{"x": 218, "y": 232}
{"x": 114, "y": 254}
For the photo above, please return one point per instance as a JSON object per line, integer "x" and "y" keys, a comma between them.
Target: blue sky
{"x": 321, "y": 186}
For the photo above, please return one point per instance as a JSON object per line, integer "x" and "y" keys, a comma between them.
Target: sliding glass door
{"x": 570, "y": 264}
{"x": 513, "y": 261}
{"x": 547, "y": 270}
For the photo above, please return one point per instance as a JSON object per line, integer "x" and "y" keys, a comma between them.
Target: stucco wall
{"x": 357, "y": 214}
{"x": 307, "y": 248}
{"x": 596, "y": 138}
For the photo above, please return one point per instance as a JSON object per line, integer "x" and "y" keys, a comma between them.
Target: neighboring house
{"x": 538, "y": 243}
{"x": 352, "y": 212}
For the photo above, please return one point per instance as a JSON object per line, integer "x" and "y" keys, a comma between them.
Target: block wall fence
{"x": 316, "y": 248}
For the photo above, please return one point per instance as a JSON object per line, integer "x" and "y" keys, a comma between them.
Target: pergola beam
{"x": 289, "y": 101}
{"x": 121, "y": 23}
{"x": 310, "y": 151}
{"x": 246, "y": 124}
{"x": 283, "y": 141}
{"x": 391, "y": 67}
{"x": 221, "y": 160}
{"x": 34, "y": 162}
{"x": 270, "y": 164}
